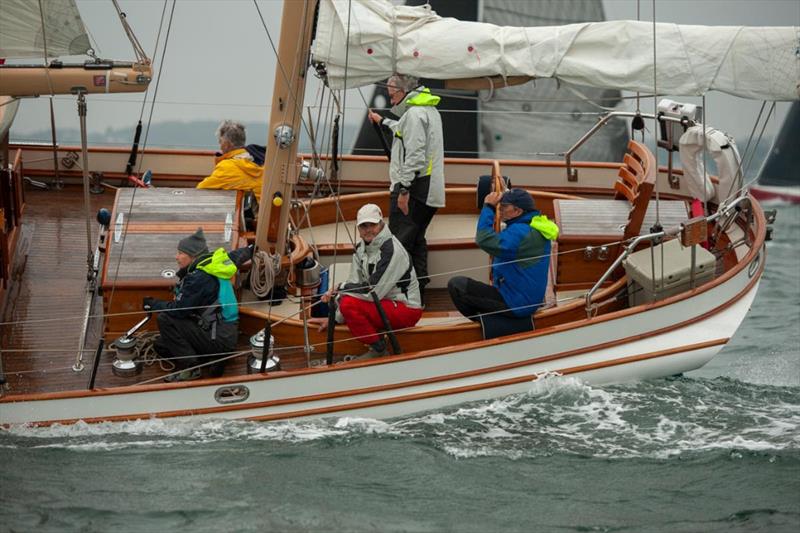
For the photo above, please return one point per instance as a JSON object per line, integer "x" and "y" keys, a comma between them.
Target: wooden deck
{"x": 43, "y": 319}
{"x": 42, "y": 323}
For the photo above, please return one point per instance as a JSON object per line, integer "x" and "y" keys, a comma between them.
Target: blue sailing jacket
{"x": 521, "y": 259}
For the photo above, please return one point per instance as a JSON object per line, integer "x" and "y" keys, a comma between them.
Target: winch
{"x": 254, "y": 362}
{"x": 125, "y": 363}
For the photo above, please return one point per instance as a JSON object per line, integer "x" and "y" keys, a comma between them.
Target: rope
{"x": 146, "y": 352}
{"x": 158, "y": 80}
{"x": 141, "y": 56}
{"x": 266, "y": 267}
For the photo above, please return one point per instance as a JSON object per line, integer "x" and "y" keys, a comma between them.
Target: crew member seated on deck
{"x": 201, "y": 323}
{"x": 238, "y": 167}
{"x": 382, "y": 264}
{"x": 520, "y": 259}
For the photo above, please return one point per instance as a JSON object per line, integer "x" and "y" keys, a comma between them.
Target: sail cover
{"x": 22, "y": 35}
{"x": 373, "y": 39}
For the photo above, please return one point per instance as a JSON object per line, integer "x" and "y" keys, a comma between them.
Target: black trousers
{"x": 188, "y": 344}
{"x": 410, "y": 231}
{"x": 473, "y": 298}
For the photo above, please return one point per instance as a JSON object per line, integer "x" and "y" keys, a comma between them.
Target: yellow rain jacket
{"x": 235, "y": 170}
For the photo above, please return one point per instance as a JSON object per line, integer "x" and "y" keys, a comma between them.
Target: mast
{"x": 280, "y": 168}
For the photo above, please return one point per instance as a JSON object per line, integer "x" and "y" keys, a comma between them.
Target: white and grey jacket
{"x": 384, "y": 266}
{"x": 418, "y": 147}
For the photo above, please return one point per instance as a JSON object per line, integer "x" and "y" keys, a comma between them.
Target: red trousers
{"x": 364, "y": 322}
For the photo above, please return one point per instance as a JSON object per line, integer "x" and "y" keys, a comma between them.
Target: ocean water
{"x": 715, "y": 450}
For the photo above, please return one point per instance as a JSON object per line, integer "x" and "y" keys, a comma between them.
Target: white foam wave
{"x": 659, "y": 419}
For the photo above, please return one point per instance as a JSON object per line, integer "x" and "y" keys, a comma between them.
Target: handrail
{"x": 723, "y": 211}
{"x": 572, "y": 174}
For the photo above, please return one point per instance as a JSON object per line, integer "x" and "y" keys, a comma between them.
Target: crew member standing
{"x": 416, "y": 170}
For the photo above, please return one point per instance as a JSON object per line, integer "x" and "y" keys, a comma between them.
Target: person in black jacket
{"x": 201, "y": 323}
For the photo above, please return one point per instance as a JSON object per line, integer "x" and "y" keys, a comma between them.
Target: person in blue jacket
{"x": 202, "y": 322}
{"x": 521, "y": 259}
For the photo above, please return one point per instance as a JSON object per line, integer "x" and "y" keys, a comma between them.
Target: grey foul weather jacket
{"x": 385, "y": 266}
{"x": 418, "y": 147}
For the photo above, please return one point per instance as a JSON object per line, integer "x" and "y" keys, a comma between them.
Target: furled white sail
{"x": 751, "y": 62}
{"x": 22, "y": 34}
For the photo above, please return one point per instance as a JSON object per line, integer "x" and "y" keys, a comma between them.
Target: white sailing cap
{"x": 369, "y": 213}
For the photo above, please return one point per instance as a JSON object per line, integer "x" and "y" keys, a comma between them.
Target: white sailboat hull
{"x": 676, "y": 335}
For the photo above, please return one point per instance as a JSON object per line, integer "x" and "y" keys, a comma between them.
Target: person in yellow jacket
{"x": 238, "y": 167}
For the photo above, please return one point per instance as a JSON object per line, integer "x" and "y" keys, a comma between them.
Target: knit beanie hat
{"x": 519, "y": 198}
{"x": 194, "y": 245}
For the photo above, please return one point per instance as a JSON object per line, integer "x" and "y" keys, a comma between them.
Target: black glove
{"x": 147, "y": 303}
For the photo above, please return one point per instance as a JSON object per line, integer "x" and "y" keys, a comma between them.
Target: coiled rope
{"x": 266, "y": 268}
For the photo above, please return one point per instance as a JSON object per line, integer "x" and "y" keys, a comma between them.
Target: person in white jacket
{"x": 416, "y": 170}
{"x": 380, "y": 264}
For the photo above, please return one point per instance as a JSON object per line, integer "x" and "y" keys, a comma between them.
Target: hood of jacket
{"x": 420, "y": 96}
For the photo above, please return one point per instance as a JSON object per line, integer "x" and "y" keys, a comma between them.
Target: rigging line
{"x": 228, "y": 355}
{"x": 758, "y": 141}
{"x": 155, "y": 91}
{"x": 752, "y": 133}
{"x": 638, "y": 18}
{"x": 705, "y": 157}
{"x": 114, "y": 101}
{"x": 655, "y": 118}
{"x": 138, "y": 51}
{"x": 155, "y": 54}
{"x": 195, "y": 367}
{"x": 144, "y": 146}
{"x": 328, "y": 126}
{"x": 343, "y": 110}
{"x": 298, "y": 105}
{"x": 58, "y": 183}
{"x": 326, "y": 149}
{"x": 49, "y": 80}
{"x": 752, "y": 152}
{"x": 586, "y": 99}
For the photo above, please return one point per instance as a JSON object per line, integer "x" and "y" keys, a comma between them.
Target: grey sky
{"x": 219, "y": 63}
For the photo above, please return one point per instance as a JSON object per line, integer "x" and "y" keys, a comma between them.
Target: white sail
{"x": 22, "y": 34}
{"x": 751, "y": 62}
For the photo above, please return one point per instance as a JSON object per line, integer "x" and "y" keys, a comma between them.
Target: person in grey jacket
{"x": 381, "y": 264}
{"x": 416, "y": 171}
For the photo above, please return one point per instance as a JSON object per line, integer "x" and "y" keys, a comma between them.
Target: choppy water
{"x": 717, "y": 450}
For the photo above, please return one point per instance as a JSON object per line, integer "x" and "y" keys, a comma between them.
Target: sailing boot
{"x": 376, "y": 349}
